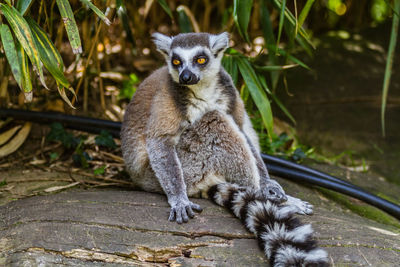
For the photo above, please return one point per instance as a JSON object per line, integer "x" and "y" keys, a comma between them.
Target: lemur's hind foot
{"x": 303, "y": 207}
{"x": 283, "y": 238}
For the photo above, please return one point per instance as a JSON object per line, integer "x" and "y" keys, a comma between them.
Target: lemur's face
{"x": 192, "y": 58}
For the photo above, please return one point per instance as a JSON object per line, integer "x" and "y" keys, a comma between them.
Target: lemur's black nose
{"x": 187, "y": 77}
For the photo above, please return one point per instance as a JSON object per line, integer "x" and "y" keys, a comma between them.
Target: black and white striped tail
{"x": 283, "y": 238}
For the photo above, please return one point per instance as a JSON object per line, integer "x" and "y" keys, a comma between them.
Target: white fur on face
{"x": 205, "y": 75}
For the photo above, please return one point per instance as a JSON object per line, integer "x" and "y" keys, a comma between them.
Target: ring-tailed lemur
{"x": 186, "y": 133}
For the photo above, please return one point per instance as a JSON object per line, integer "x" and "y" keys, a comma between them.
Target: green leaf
{"x": 3, "y": 183}
{"x": 183, "y": 20}
{"x": 257, "y": 92}
{"x": 275, "y": 68}
{"x": 270, "y": 41}
{"x": 11, "y": 53}
{"x": 63, "y": 94}
{"x": 389, "y": 62}
{"x": 81, "y": 158}
{"x": 99, "y": 171}
{"x": 241, "y": 15}
{"x": 26, "y": 81}
{"x": 24, "y": 35}
{"x": 70, "y": 25}
{"x": 58, "y": 133}
{"x": 48, "y": 53}
{"x": 53, "y": 156}
{"x": 97, "y": 11}
{"x": 304, "y": 12}
{"x": 294, "y": 59}
{"x": 293, "y": 22}
{"x": 105, "y": 139}
{"x": 166, "y": 8}
{"x": 23, "y": 5}
{"x": 128, "y": 87}
{"x": 122, "y": 14}
{"x": 231, "y": 67}
{"x": 281, "y": 20}
{"x": 276, "y": 100}
{"x": 288, "y": 15}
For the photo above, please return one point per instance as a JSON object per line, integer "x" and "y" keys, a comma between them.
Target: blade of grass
{"x": 241, "y": 15}
{"x": 281, "y": 21}
{"x": 23, "y": 5}
{"x": 70, "y": 25}
{"x": 183, "y": 20}
{"x": 97, "y": 11}
{"x": 294, "y": 59}
{"x": 48, "y": 53}
{"x": 231, "y": 67}
{"x": 257, "y": 92}
{"x": 166, "y": 8}
{"x": 122, "y": 14}
{"x": 24, "y": 35}
{"x": 304, "y": 12}
{"x": 26, "y": 81}
{"x": 270, "y": 41}
{"x": 11, "y": 53}
{"x": 276, "y": 100}
{"x": 61, "y": 91}
{"x": 389, "y": 62}
{"x": 275, "y": 68}
{"x": 292, "y": 20}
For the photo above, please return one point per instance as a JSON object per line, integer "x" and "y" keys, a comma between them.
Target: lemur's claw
{"x": 182, "y": 211}
{"x": 304, "y": 208}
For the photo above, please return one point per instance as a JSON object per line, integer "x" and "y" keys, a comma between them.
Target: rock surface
{"x": 130, "y": 228}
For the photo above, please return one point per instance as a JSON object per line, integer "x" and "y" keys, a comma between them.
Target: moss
{"x": 362, "y": 209}
{"x": 388, "y": 198}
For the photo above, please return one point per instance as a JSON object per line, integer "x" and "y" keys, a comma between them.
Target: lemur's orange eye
{"x": 201, "y": 60}
{"x": 176, "y": 62}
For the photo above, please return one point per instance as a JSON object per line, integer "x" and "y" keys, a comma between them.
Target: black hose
{"x": 294, "y": 166}
{"x": 352, "y": 191}
{"x": 276, "y": 166}
{"x": 70, "y": 121}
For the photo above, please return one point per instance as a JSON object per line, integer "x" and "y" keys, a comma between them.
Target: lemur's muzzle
{"x": 187, "y": 77}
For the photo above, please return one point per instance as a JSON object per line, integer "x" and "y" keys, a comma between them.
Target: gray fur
{"x": 182, "y": 139}
{"x": 162, "y": 42}
{"x": 219, "y": 43}
{"x": 189, "y": 40}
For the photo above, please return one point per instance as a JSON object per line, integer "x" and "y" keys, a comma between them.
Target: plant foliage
{"x": 27, "y": 40}
{"x": 266, "y": 35}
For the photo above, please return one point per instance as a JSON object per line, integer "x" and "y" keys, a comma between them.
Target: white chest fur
{"x": 204, "y": 99}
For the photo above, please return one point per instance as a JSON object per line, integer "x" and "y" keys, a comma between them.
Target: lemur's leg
{"x": 215, "y": 150}
{"x": 271, "y": 188}
{"x": 212, "y": 151}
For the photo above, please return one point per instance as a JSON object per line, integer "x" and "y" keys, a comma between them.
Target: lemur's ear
{"x": 162, "y": 42}
{"x": 219, "y": 43}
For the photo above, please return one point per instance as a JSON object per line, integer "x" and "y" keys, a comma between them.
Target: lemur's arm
{"x": 270, "y": 188}
{"x": 165, "y": 163}
{"x": 162, "y": 134}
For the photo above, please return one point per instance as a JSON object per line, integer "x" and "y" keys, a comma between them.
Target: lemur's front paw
{"x": 272, "y": 191}
{"x": 304, "y": 208}
{"x": 182, "y": 210}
